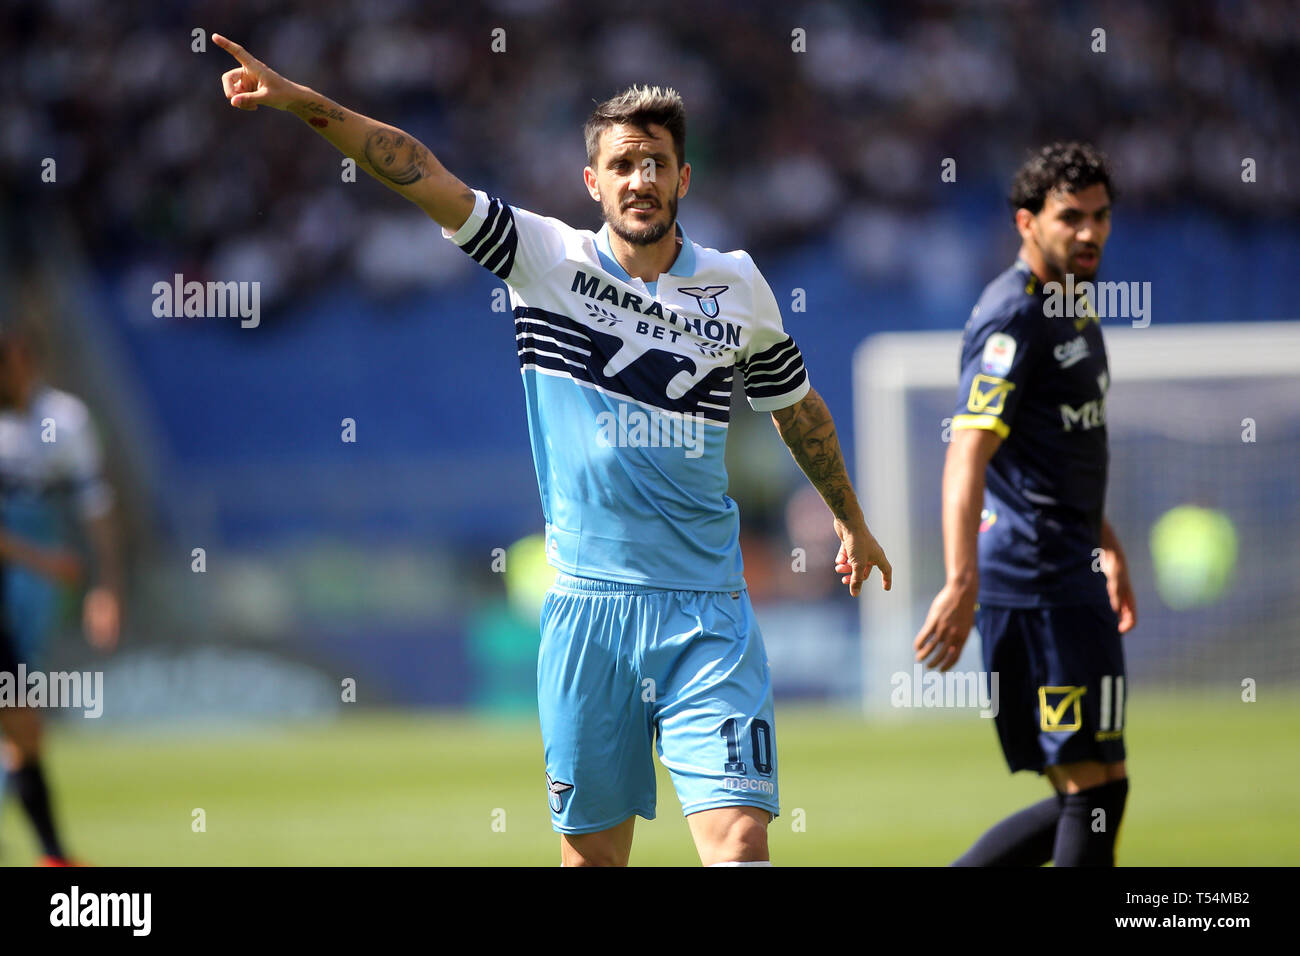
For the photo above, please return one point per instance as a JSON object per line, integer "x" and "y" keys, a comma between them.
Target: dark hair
{"x": 1067, "y": 166}
{"x": 24, "y": 328}
{"x": 639, "y": 106}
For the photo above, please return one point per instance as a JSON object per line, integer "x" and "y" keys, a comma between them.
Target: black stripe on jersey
{"x": 771, "y": 391}
{"x": 538, "y": 329}
{"x": 557, "y": 343}
{"x": 38, "y": 486}
{"x": 773, "y": 357}
{"x": 493, "y": 246}
{"x": 490, "y": 221}
{"x": 775, "y": 370}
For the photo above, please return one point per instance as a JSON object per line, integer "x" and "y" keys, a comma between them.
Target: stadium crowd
{"x": 843, "y": 139}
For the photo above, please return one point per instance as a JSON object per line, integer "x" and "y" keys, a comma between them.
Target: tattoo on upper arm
{"x": 809, "y": 431}
{"x": 397, "y": 157}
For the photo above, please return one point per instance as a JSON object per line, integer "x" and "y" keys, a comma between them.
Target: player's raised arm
{"x": 390, "y": 155}
{"x": 809, "y": 432}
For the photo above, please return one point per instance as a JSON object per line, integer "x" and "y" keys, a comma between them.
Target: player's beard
{"x": 1057, "y": 265}
{"x": 1064, "y": 264}
{"x": 645, "y": 235}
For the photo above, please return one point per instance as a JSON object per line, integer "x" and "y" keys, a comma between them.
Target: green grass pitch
{"x": 1215, "y": 781}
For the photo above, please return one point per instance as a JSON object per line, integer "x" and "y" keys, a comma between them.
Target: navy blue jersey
{"x": 1036, "y": 374}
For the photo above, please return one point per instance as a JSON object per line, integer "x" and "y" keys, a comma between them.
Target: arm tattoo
{"x": 397, "y": 157}
{"x": 808, "y": 430}
{"x": 318, "y": 114}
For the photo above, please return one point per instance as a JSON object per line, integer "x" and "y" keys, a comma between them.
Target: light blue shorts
{"x": 623, "y": 669}
{"x": 30, "y": 608}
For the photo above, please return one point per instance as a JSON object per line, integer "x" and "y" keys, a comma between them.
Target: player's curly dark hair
{"x": 1068, "y": 166}
{"x": 639, "y": 106}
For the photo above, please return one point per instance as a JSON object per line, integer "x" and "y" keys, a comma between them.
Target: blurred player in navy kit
{"x": 52, "y": 491}
{"x": 1024, "y": 488}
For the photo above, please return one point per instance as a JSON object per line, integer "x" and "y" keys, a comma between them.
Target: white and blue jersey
{"x": 648, "y": 639}
{"x": 50, "y": 480}
{"x": 629, "y": 387}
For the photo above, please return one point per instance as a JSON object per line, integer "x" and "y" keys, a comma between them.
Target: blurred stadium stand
{"x": 374, "y": 557}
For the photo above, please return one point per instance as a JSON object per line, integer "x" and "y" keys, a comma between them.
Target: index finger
{"x": 234, "y": 49}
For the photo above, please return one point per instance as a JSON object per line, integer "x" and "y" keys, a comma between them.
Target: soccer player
{"x": 628, "y": 340}
{"x": 50, "y": 480}
{"x": 1024, "y": 488}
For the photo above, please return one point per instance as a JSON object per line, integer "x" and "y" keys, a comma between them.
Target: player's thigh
{"x": 730, "y": 834}
{"x": 31, "y": 606}
{"x": 1082, "y": 691}
{"x": 20, "y": 726}
{"x": 596, "y": 729}
{"x": 612, "y": 847}
{"x": 1008, "y": 662}
{"x": 714, "y": 709}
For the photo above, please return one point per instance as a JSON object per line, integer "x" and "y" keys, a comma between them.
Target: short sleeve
{"x": 91, "y": 494}
{"x": 770, "y": 362}
{"x": 997, "y": 357}
{"x": 513, "y": 244}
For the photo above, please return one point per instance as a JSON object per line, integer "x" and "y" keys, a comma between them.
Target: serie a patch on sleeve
{"x": 999, "y": 352}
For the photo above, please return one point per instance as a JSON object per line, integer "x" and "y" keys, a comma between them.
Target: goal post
{"x": 1205, "y": 416}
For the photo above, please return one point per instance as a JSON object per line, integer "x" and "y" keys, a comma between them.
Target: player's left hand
{"x": 102, "y": 618}
{"x": 859, "y": 553}
{"x": 947, "y": 626}
{"x": 1120, "y": 588}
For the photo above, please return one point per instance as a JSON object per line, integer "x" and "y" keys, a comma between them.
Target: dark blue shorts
{"x": 1061, "y": 685}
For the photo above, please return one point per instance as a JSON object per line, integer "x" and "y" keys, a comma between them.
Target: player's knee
{"x": 594, "y": 849}
{"x": 22, "y": 743}
{"x": 740, "y": 839}
{"x": 1084, "y": 775}
{"x": 593, "y": 856}
{"x": 749, "y": 841}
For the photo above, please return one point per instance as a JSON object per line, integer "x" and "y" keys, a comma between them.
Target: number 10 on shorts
{"x": 760, "y": 737}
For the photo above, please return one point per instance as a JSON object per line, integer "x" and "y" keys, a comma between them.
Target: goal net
{"x": 1204, "y": 493}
